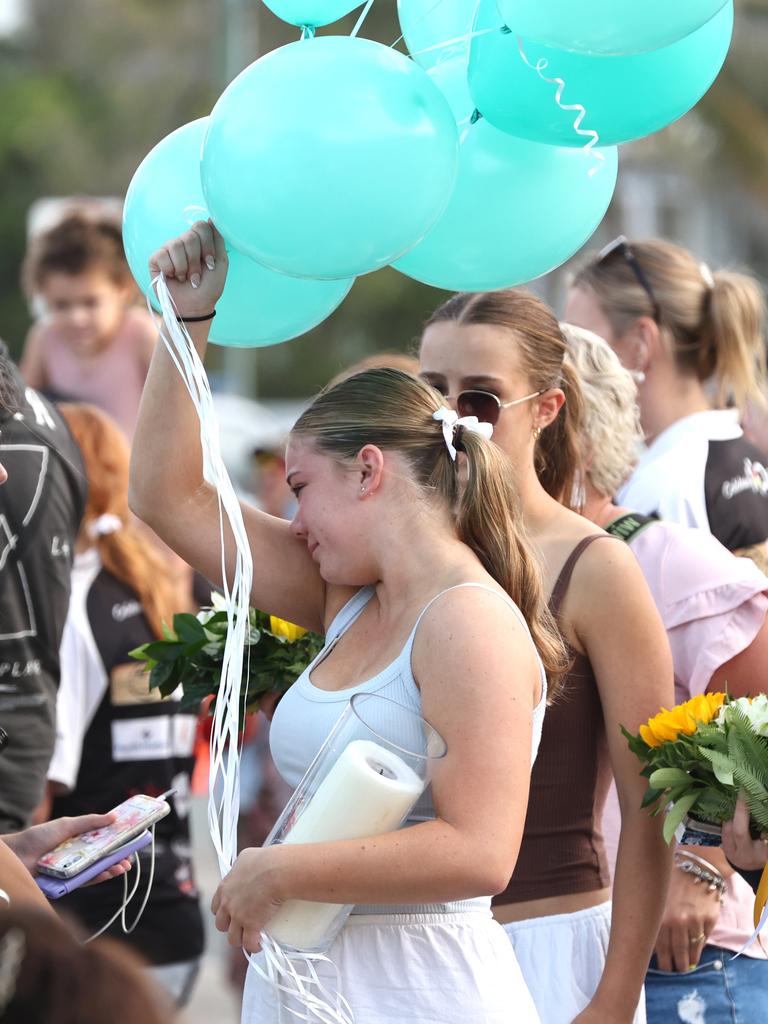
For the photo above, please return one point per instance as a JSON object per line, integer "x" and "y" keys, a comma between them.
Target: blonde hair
{"x": 534, "y": 331}
{"x": 394, "y": 410}
{"x": 126, "y": 553}
{"x": 713, "y": 323}
{"x": 612, "y": 432}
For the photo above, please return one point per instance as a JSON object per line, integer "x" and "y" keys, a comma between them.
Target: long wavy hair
{"x": 126, "y": 553}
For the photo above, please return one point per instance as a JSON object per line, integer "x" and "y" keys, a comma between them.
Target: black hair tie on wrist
{"x": 195, "y": 319}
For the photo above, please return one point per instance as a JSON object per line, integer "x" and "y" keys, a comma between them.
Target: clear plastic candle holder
{"x": 365, "y": 780}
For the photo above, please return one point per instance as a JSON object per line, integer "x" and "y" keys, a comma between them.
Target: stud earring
{"x": 362, "y": 489}
{"x": 536, "y": 433}
{"x": 638, "y": 376}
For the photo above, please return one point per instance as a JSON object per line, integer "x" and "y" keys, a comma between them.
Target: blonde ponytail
{"x": 712, "y": 323}
{"x": 735, "y": 355}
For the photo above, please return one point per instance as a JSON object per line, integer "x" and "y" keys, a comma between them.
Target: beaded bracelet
{"x": 713, "y": 879}
{"x": 687, "y": 854}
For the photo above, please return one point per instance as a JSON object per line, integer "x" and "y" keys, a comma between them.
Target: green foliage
{"x": 191, "y": 656}
{"x": 702, "y": 774}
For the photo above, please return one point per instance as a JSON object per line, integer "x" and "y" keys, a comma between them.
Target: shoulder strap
{"x": 561, "y": 584}
{"x": 628, "y": 526}
{"x": 347, "y": 614}
{"x": 480, "y": 586}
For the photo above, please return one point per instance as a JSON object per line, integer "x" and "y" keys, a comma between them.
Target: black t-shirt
{"x": 701, "y": 471}
{"x": 116, "y": 739}
{"x": 736, "y": 493}
{"x": 41, "y": 506}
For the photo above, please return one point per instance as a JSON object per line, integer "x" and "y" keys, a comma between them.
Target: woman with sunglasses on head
{"x": 407, "y": 572}
{"x": 693, "y": 340}
{"x": 714, "y": 607}
{"x": 499, "y": 356}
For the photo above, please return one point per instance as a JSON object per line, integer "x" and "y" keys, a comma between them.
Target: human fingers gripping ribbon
{"x": 452, "y": 421}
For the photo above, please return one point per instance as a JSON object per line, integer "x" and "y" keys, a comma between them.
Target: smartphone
{"x": 76, "y": 854}
{"x": 55, "y": 888}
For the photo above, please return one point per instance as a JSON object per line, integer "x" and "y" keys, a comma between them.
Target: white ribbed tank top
{"x": 306, "y": 715}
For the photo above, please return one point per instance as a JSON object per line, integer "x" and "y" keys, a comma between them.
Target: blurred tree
{"x": 91, "y": 85}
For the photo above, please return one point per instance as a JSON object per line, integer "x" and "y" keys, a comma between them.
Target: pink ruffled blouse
{"x": 713, "y": 606}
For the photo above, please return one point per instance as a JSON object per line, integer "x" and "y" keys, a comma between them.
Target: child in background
{"x": 91, "y": 343}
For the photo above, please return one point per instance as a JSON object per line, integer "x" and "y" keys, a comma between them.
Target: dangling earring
{"x": 536, "y": 433}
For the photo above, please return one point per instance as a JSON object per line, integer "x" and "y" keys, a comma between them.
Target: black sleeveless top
{"x": 562, "y": 850}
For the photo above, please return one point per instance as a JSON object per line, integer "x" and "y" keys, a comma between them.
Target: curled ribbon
{"x": 540, "y": 67}
{"x": 294, "y": 977}
{"x": 451, "y": 420}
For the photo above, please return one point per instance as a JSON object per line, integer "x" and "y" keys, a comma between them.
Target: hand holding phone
{"x": 55, "y": 888}
{"x": 79, "y": 853}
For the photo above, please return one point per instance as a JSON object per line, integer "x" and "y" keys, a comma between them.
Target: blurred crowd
{"x": 672, "y": 458}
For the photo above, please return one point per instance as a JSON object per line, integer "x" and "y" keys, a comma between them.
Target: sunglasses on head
{"x": 486, "y": 406}
{"x": 624, "y": 250}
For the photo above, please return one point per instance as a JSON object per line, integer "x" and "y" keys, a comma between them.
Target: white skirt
{"x": 562, "y": 959}
{"x": 421, "y": 968}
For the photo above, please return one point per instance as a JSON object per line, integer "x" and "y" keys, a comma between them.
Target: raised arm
{"x": 479, "y": 695}
{"x": 167, "y": 487}
{"x": 620, "y": 629}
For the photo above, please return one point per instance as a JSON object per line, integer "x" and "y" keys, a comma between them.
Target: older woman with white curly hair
{"x": 713, "y": 606}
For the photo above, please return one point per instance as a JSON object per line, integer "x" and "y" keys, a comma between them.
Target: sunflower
{"x": 667, "y": 726}
{"x": 285, "y": 629}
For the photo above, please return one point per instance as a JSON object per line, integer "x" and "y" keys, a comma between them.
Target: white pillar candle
{"x": 367, "y": 792}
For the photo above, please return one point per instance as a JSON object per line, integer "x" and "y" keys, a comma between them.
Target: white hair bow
{"x": 451, "y": 420}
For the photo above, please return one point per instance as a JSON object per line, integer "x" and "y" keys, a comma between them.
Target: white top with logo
{"x": 702, "y": 472}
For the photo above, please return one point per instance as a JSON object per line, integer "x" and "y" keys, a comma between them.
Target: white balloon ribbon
{"x": 316, "y": 1004}
{"x": 540, "y": 67}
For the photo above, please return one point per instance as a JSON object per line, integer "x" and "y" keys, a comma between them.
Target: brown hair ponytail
{"x": 126, "y": 553}
{"x": 394, "y": 411}
{"x": 538, "y": 342}
{"x": 712, "y": 323}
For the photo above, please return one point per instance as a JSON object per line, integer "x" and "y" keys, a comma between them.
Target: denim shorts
{"x": 721, "y": 991}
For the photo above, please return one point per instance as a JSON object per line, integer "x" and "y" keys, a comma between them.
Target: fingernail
{"x": 195, "y": 280}
{"x": 210, "y": 262}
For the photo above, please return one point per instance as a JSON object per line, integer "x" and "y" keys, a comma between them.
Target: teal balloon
{"x": 329, "y": 157}
{"x": 312, "y": 13}
{"x": 427, "y": 23}
{"x": 258, "y": 307}
{"x": 607, "y": 26}
{"x": 450, "y": 77}
{"x": 519, "y": 210}
{"x": 624, "y": 97}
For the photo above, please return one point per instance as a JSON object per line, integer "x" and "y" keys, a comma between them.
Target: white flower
{"x": 218, "y": 602}
{"x": 755, "y": 709}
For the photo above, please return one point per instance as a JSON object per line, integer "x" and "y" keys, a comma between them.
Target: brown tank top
{"x": 562, "y": 850}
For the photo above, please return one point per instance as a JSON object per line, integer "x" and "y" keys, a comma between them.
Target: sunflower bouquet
{"x": 190, "y": 655}
{"x": 698, "y": 757}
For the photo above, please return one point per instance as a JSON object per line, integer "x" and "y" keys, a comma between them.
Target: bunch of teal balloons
{"x": 464, "y": 165}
